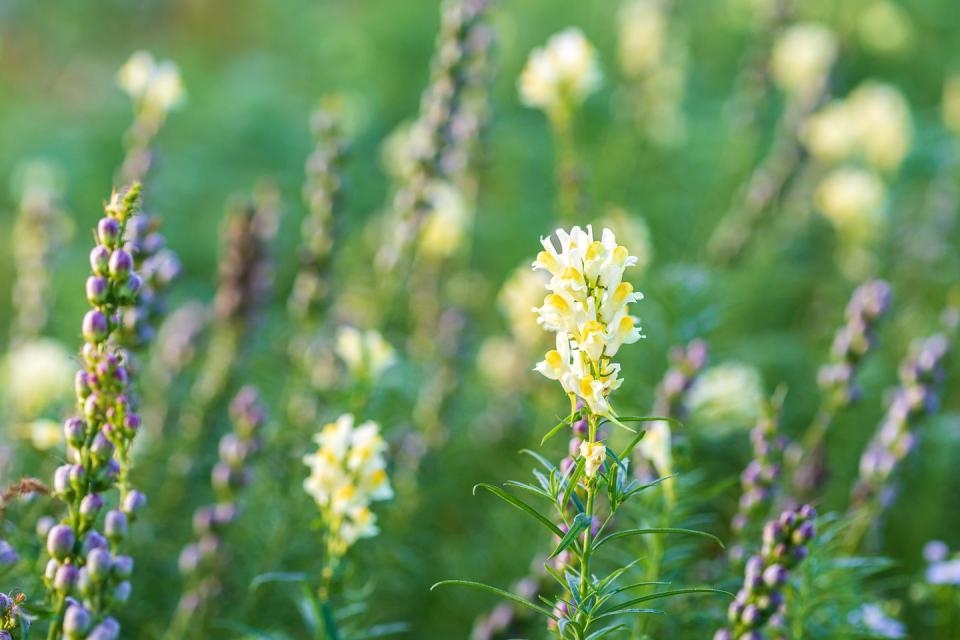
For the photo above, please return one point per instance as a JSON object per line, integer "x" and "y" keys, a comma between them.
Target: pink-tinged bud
{"x": 100, "y": 260}
{"x": 108, "y": 231}
{"x": 60, "y": 541}
{"x": 121, "y": 264}
{"x": 95, "y": 328}
{"x": 98, "y": 290}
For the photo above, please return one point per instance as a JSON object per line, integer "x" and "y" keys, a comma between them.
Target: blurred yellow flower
{"x": 446, "y": 224}
{"x": 801, "y": 59}
{"x": 726, "y": 395}
{"x": 38, "y": 374}
{"x": 366, "y": 354}
{"x": 852, "y": 199}
{"x": 560, "y": 74}
{"x": 642, "y": 37}
{"x": 154, "y": 86}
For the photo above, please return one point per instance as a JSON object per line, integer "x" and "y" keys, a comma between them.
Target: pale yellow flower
{"x": 366, "y": 354}
{"x": 726, "y": 395}
{"x": 39, "y": 374}
{"x": 594, "y": 454}
{"x": 801, "y": 59}
{"x": 155, "y": 86}
{"x": 563, "y": 72}
{"x": 446, "y": 224}
{"x": 852, "y": 199}
{"x": 642, "y": 37}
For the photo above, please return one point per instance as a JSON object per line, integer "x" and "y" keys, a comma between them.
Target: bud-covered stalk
{"x": 921, "y": 374}
{"x": 851, "y": 344}
{"x": 84, "y": 563}
{"x": 760, "y": 603}
{"x": 202, "y": 560}
{"x": 322, "y": 194}
{"x": 760, "y": 479}
{"x": 433, "y": 131}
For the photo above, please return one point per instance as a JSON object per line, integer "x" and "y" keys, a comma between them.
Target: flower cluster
{"x": 321, "y": 193}
{"x": 200, "y": 561}
{"x": 920, "y": 375}
{"x": 867, "y": 306}
{"x": 760, "y": 479}
{"x": 561, "y": 74}
{"x": 942, "y": 568}
{"x": 12, "y": 621}
{"x": 589, "y": 309}
{"x": 366, "y": 354}
{"x": 761, "y": 598}
{"x": 347, "y": 473}
{"x": 98, "y": 440}
{"x": 801, "y": 59}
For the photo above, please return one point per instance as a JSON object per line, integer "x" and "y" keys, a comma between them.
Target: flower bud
{"x": 78, "y": 476}
{"x": 120, "y": 264}
{"x": 115, "y": 525}
{"x": 130, "y": 288}
{"x": 123, "y": 567}
{"x": 121, "y": 593}
{"x": 61, "y": 480}
{"x": 50, "y": 571}
{"x": 108, "y": 231}
{"x": 98, "y": 564}
{"x": 95, "y": 328}
{"x": 101, "y": 447}
{"x": 8, "y": 556}
{"x": 44, "y": 525}
{"x": 133, "y": 503}
{"x": 100, "y": 260}
{"x": 74, "y": 432}
{"x": 94, "y": 540}
{"x": 775, "y": 575}
{"x": 76, "y": 621}
{"x": 98, "y": 290}
{"x": 90, "y": 506}
{"x": 81, "y": 384}
{"x": 65, "y": 578}
{"x": 60, "y": 541}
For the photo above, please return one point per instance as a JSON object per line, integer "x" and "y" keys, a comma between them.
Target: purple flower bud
{"x": 98, "y": 290}
{"x": 123, "y": 566}
{"x": 94, "y": 540}
{"x": 134, "y": 502}
{"x": 60, "y": 541}
{"x": 61, "y": 480}
{"x": 120, "y": 264}
{"x": 121, "y": 593}
{"x": 189, "y": 559}
{"x": 74, "y": 432}
{"x": 775, "y": 575}
{"x": 65, "y": 579}
{"x": 131, "y": 422}
{"x": 750, "y": 615}
{"x": 109, "y": 629}
{"x": 78, "y": 476}
{"x": 115, "y": 525}
{"x": 203, "y": 521}
{"x": 225, "y": 513}
{"x": 807, "y": 512}
{"x": 130, "y": 288}
{"x": 76, "y": 621}
{"x": 50, "y": 571}
{"x": 100, "y": 260}
{"x": 108, "y": 231}
{"x": 101, "y": 447}
{"x": 90, "y": 506}
{"x": 44, "y": 525}
{"x": 8, "y": 556}
{"x": 723, "y": 634}
{"x": 804, "y": 533}
{"x": 99, "y": 564}
{"x": 95, "y": 329}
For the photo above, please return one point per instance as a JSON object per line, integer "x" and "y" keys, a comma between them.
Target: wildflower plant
{"x": 588, "y": 308}
{"x": 87, "y": 576}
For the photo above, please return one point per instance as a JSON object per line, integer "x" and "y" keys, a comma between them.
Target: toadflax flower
{"x": 594, "y": 453}
{"x": 562, "y": 73}
{"x": 39, "y": 373}
{"x": 589, "y": 309}
{"x": 366, "y": 354}
{"x": 154, "y": 84}
{"x": 347, "y": 473}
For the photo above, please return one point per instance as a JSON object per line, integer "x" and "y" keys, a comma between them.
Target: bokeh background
{"x": 254, "y": 70}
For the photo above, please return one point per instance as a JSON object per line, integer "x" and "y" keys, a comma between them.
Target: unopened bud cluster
{"x": 245, "y": 272}
{"x": 200, "y": 561}
{"x": 759, "y": 604}
{"x": 12, "y": 625}
{"x": 853, "y": 340}
{"x": 759, "y": 480}
{"x": 84, "y": 570}
{"x": 321, "y": 193}
{"x": 920, "y": 376}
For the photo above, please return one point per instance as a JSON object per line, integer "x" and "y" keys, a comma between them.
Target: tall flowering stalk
{"x": 759, "y": 605}
{"x": 759, "y": 481}
{"x": 87, "y": 576}
{"x": 202, "y": 562}
{"x": 348, "y": 472}
{"x": 588, "y": 309}
{"x": 322, "y": 194}
{"x": 245, "y": 273}
{"x": 799, "y": 64}
{"x": 851, "y": 344}
{"x": 917, "y": 396}
{"x": 434, "y": 131}
{"x": 557, "y": 78}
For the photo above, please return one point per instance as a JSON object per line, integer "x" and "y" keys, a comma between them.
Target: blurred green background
{"x": 253, "y": 71}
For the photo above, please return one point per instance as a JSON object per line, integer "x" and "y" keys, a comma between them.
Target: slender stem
{"x": 591, "y": 487}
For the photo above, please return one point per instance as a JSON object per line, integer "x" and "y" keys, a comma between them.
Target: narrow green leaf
{"x": 603, "y": 633}
{"x": 663, "y": 594}
{"x": 572, "y": 483}
{"x": 529, "y": 488}
{"x": 500, "y": 592}
{"x": 539, "y": 458}
{"x": 519, "y": 504}
{"x": 277, "y": 576}
{"x": 555, "y": 431}
{"x": 657, "y": 530}
{"x": 623, "y": 611}
{"x": 580, "y": 523}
